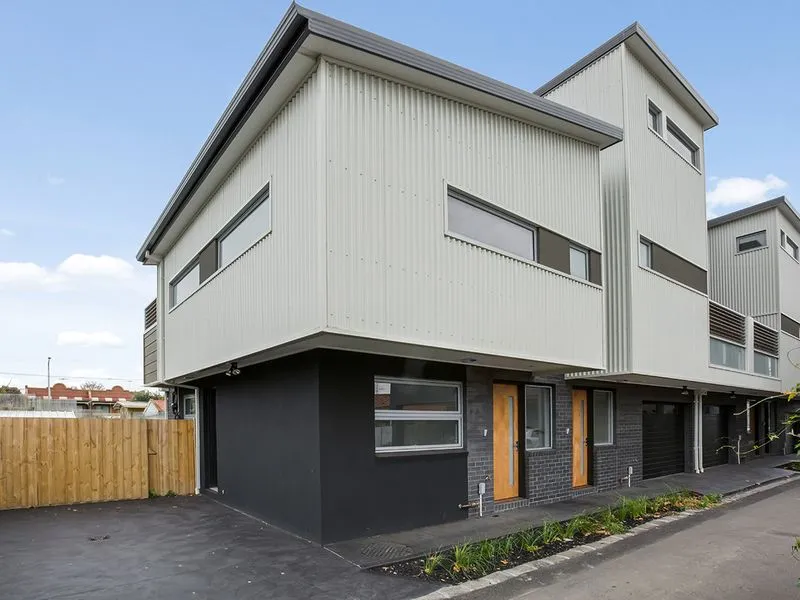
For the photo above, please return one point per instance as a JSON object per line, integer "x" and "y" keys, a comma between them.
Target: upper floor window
{"x": 788, "y": 244}
{"x": 681, "y": 143}
{"x": 645, "y": 253}
{"x": 579, "y": 262}
{"x": 185, "y": 285}
{"x": 467, "y": 219}
{"x": 751, "y": 241}
{"x": 245, "y": 230}
{"x": 654, "y": 118}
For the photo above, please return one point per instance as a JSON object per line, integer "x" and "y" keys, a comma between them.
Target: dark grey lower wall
{"x": 268, "y": 443}
{"x": 364, "y": 493}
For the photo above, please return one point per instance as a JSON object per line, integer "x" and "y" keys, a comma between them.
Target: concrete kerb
{"x": 544, "y": 563}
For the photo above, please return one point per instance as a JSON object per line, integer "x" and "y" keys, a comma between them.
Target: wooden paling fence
{"x": 45, "y": 462}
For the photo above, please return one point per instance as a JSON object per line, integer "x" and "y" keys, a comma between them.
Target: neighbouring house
{"x": 755, "y": 269}
{"x": 156, "y": 408}
{"x": 393, "y": 290}
{"x": 97, "y": 401}
{"x": 130, "y": 409}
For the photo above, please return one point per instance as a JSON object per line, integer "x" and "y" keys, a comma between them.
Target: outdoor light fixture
{"x": 232, "y": 370}
{"x": 685, "y": 391}
{"x": 733, "y": 395}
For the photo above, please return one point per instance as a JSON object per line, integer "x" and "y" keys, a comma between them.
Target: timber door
{"x": 506, "y": 441}
{"x": 580, "y": 439}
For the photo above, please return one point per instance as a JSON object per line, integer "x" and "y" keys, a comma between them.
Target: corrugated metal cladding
{"x": 788, "y": 270}
{"x": 668, "y": 196}
{"x": 598, "y": 91}
{"x": 150, "y": 350}
{"x": 272, "y": 292}
{"x": 392, "y": 272}
{"x": 746, "y": 281}
{"x": 789, "y": 361}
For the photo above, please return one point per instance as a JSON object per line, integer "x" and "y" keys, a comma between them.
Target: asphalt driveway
{"x": 172, "y": 548}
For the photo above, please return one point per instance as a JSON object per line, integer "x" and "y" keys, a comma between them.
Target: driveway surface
{"x": 172, "y": 548}
{"x": 736, "y": 552}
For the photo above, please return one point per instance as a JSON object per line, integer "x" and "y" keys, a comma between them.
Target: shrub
{"x": 608, "y": 522}
{"x": 632, "y": 508}
{"x": 550, "y": 532}
{"x": 529, "y": 540}
{"x": 432, "y": 563}
{"x": 467, "y": 560}
{"x": 580, "y": 525}
{"x": 507, "y": 546}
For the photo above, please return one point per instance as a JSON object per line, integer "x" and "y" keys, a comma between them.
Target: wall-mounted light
{"x": 232, "y": 370}
{"x": 685, "y": 391}
{"x": 733, "y": 395}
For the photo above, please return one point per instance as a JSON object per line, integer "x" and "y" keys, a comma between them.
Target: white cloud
{"x": 27, "y": 275}
{"x": 88, "y": 338}
{"x": 733, "y": 193}
{"x": 6, "y": 232}
{"x": 54, "y": 180}
{"x": 75, "y": 272}
{"x": 84, "y": 265}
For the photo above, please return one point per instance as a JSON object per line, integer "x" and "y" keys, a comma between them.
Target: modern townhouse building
{"x": 755, "y": 270}
{"x": 380, "y": 266}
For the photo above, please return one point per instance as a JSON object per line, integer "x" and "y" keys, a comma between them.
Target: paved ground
{"x": 723, "y": 479}
{"x": 172, "y": 548}
{"x": 737, "y": 552}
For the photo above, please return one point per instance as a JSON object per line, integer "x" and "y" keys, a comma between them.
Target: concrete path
{"x": 724, "y": 479}
{"x": 738, "y": 551}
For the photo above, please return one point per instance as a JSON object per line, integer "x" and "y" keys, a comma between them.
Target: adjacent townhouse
{"x": 380, "y": 267}
{"x": 755, "y": 269}
{"x": 97, "y": 401}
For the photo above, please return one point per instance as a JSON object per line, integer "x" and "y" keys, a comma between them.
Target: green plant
{"x": 608, "y": 522}
{"x": 710, "y": 500}
{"x": 432, "y": 563}
{"x": 529, "y": 540}
{"x": 580, "y": 525}
{"x": 551, "y": 532}
{"x": 489, "y": 550}
{"x": 152, "y": 493}
{"x": 507, "y": 546}
{"x": 632, "y": 508}
{"x": 467, "y": 560}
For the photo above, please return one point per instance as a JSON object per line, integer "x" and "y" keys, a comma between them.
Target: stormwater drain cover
{"x": 385, "y": 550}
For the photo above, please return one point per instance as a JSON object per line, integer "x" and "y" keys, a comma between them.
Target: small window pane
{"x": 394, "y": 434}
{"x": 645, "y": 254}
{"x": 681, "y": 143}
{"x": 791, "y": 247}
{"x": 603, "y": 417}
{"x": 765, "y": 364}
{"x": 188, "y": 406}
{"x": 655, "y": 118}
{"x": 482, "y": 226}
{"x": 187, "y": 284}
{"x": 252, "y": 228}
{"x": 751, "y": 241}
{"x": 578, "y": 262}
{"x": 538, "y": 417}
{"x": 415, "y": 396}
{"x": 727, "y": 355}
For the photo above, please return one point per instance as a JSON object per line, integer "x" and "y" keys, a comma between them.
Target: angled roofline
{"x": 781, "y": 203}
{"x": 635, "y": 29}
{"x": 297, "y": 24}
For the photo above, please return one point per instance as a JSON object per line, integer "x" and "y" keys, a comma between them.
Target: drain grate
{"x": 385, "y": 550}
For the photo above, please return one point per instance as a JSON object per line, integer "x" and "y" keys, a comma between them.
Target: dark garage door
{"x": 715, "y": 435}
{"x": 662, "y": 439}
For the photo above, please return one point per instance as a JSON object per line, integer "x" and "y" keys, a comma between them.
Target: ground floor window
{"x": 412, "y": 414}
{"x": 538, "y": 417}
{"x": 188, "y": 406}
{"x": 603, "y": 402}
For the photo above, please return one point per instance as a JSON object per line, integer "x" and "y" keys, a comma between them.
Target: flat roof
{"x": 636, "y": 32}
{"x": 297, "y": 25}
{"x": 781, "y": 203}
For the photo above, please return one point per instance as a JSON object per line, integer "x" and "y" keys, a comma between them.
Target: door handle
{"x": 586, "y": 441}
{"x": 516, "y": 445}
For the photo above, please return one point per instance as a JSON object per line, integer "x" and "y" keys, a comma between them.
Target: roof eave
{"x": 781, "y": 203}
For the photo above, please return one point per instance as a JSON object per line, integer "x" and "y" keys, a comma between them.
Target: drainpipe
{"x": 695, "y": 437}
{"x": 700, "y": 428}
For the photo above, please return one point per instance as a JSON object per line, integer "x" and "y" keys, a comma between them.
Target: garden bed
{"x": 472, "y": 560}
{"x": 792, "y": 466}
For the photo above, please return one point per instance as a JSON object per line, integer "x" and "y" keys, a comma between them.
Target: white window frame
{"x": 422, "y": 415}
{"x": 611, "y": 415}
{"x": 654, "y": 111}
{"x": 789, "y": 245}
{"x": 173, "y": 301}
{"x": 550, "y": 422}
{"x": 730, "y": 343}
{"x": 264, "y": 195}
{"x": 645, "y": 243}
{"x": 751, "y": 235}
{"x": 186, "y": 413}
{"x": 585, "y": 252}
{"x": 685, "y": 140}
{"x": 770, "y": 356}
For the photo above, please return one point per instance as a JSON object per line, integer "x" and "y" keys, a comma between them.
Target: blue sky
{"x": 103, "y": 106}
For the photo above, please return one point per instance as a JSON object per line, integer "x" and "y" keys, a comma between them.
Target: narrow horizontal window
{"x": 751, "y": 241}
{"x": 538, "y": 417}
{"x": 681, "y": 143}
{"x": 579, "y": 262}
{"x": 185, "y": 286}
{"x": 654, "y": 118}
{"x": 603, "y": 411}
{"x": 725, "y": 354}
{"x": 790, "y": 326}
{"x": 483, "y": 226}
{"x": 764, "y": 364}
{"x": 246, "y": 231}
{"x": 417, "y": 415}
{"x": 645, "y": 253}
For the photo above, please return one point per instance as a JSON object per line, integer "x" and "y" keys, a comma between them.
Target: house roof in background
{"x": 781, "y": 203}
{"x": 59, "y": 390}
{"x": 642, "y": 44}
{"x": 297, "y": 25}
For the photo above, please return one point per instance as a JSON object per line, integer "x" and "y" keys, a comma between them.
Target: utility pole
{"x": 49, "y": 358}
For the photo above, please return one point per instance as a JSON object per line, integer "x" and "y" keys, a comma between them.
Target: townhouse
{"x": 396, "y": 292}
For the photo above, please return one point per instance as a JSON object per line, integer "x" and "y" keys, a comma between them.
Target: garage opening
{"x": 662, "y": 439}
{"x": 715, "y": 435}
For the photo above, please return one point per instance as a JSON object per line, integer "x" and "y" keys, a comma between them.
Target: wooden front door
{"x": 506, "y": 441}
{"x": 580, "y": 439}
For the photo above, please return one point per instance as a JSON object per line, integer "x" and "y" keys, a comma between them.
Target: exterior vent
{"x": 150, "y": 315}
{"x": 726, "y": 324}
{"x": 765, "y": 339}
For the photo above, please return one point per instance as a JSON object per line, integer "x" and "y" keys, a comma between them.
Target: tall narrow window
{"x": 654, "y": 117}
{"x": 790, "y": 246}
{"x": 253, "y": 225}
{"x": 538, "y": 417}
{"x": 578, "y": 262}
{"x": 681, "y": 143}
{"x": 645, "y": 253}
{"x": 470, "y": 221}
{"x": 603, "y": 410}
